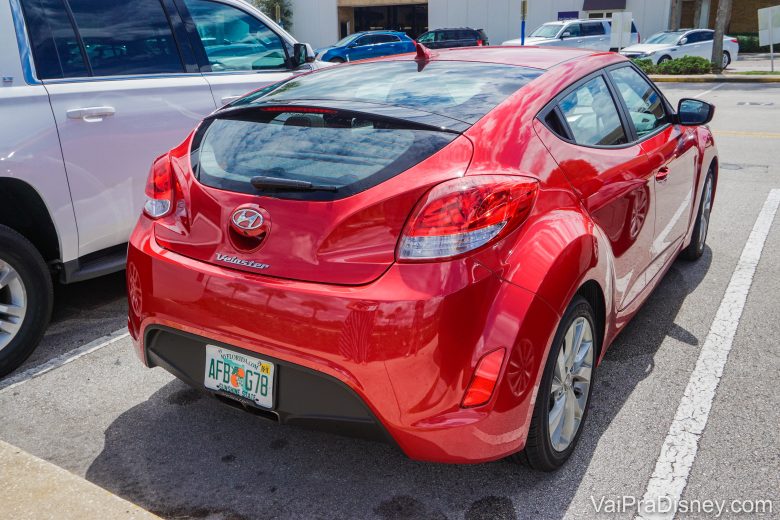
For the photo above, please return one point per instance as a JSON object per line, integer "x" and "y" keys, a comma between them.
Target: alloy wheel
{"x": 571, "y": 384}
{"x": 706, "y": 209}
{"x": 13, "y": 303}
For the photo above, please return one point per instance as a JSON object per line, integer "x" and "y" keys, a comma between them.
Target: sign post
{"x": 769, "y": 30}
{"x": 621, "y": 30}
{"x": 523, "y": 16}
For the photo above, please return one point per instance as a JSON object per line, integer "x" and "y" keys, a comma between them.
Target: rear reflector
{"x": 482, "y": 385}
{"x": 465, "y": 214}
{"x": 159, "y": 188}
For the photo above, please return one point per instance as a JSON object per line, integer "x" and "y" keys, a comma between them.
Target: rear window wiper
{"x": 276, "y": 183}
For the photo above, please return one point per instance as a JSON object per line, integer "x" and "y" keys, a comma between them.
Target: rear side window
{"x": 126, "y": 37}
{"x": 234, "y": 40}
{"x": 593, "y": 29}
{"x": 329, "y": 148}
{"x": 592, "y": 115}
{"x": 55, "y": 47}
{"x": 461, "y": 90}
{"x": 644, "y": 103}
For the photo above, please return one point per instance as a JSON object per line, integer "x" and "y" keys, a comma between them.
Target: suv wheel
{"x": 26, "y": 297}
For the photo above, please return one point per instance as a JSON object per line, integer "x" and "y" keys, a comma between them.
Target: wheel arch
{"x": 23, "y": 210}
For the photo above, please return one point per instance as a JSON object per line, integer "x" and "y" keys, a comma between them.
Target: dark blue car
{"x": 364, "y": 45}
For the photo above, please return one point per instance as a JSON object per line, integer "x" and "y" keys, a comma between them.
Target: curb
{"x": 714, "y": 78}
{"x": 31, "y": 488}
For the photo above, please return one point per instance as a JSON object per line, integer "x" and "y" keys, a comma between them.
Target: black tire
{"x": 24, "y": 258}
{"x": 336, "y": 60}
{"x": 539, "y": 453}
{"x": 726, "y": 59}
{"x": 695, "y": 249}
{"x": 664, "y": 59}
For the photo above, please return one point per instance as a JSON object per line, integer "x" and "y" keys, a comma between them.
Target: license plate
{"x": 238, "y": 374}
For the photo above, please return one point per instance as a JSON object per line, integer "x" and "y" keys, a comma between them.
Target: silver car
{"x": 670, "y": 45}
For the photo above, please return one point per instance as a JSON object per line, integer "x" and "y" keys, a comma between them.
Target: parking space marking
{"x": 736, "y": 133}
{"x": 678, "y": 452}
{"x": 702, "y": 94}
{"x": 62, "y": 360}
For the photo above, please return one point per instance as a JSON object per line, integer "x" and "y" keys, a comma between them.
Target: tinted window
{"x": 592, "y": 115}
{"x": 386, "y": 38}
{"x": 426, "y": 38}
{"x": 126, "y": 37}
{"x": 695, "y": 37}
{"x": 707, "y": 36}
{"x": 54, "y": 44}
{"x": 593, "y": 29}
{"x": 644, "y": 104}
{"x": 330, "y": 149}
{"x": 573, "y": 29}
{"x": 234, "y": 40}
{"x": 450, "y": 35}
{"x": 365, "y": 40}
{"x": 460, "y": 90}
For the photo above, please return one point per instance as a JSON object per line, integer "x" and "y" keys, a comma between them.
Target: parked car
{"x": 449, "y": 38}
{"x": 364, "y": 45}
{"x": 668, "y": 45}
{"x": 89, "y": 96}
{"x": 415, "y": 248}
{"x": 585, "y": 34}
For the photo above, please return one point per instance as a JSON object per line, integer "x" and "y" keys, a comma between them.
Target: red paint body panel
{"x": 407, "y": 336}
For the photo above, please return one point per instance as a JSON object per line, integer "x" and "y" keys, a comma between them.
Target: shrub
{"x": 685, "y": 65}
{"x": 647, "y": 65}
{"x": 748, "y": 42}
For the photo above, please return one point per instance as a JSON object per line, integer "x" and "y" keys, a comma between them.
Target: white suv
{"x": 91, "y": 91}
{"x": 587, "y": 34}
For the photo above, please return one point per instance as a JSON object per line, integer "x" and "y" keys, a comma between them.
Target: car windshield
{"x": 460, "y": 90}
{"x": 666, "y": 38}
{"x": 548, "y": 30}
{"x": 345, "y": 41}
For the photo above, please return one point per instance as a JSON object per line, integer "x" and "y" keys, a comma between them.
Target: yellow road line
{"x": 759, "y": 135}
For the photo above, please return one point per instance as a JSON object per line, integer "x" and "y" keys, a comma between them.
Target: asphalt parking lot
{"x": 150, "y": 439}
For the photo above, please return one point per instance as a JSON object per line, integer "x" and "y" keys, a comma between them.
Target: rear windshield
{"x": 341, "y": 151}
{"x": 460, "y": 90}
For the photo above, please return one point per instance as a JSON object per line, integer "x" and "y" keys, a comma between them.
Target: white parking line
{"x": 702, "y": 94}
{"x": 678, "y": 452}
{"x": 62, "y": 360}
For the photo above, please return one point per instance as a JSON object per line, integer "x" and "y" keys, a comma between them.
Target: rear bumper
{"x": 389, "y": 359}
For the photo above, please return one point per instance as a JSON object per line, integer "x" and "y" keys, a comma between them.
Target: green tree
{"x": 274, "y": 8}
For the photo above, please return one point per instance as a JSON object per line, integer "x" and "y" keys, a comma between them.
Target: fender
{"x": 708, "y": 156}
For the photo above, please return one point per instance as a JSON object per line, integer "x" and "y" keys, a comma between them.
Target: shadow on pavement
{"x": 82, "y": 312}
{"x": 183, "y": 455}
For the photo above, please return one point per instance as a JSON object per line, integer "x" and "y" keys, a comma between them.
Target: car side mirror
{"x": 566, "y": 34}
{"x": 303, "y": 53}
{"x": 683, "y": 41}
{"x": 694, "y": 112}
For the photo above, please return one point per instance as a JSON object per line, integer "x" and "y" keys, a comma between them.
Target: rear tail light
{"x": 734, "y": 40}
{"x": 160, "y": 188}
{"x": 480, "y": 43}
{"x": 464, "y": 214}
{"x": 480, "y": 390}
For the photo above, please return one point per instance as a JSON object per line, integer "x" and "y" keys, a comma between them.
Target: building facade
{"x": 323, "y": 22}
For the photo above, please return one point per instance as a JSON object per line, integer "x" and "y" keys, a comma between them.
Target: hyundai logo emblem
{"x": 248, "y": 222}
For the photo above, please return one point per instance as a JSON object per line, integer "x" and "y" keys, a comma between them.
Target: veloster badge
{"x": 229, "y": 259}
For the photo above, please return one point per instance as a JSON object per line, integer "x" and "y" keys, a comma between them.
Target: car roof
{"x": 534, "y": 57}
{"x": 455, "y": 29}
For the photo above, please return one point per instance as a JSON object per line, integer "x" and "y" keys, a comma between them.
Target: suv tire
{"x": 26, "y": 290}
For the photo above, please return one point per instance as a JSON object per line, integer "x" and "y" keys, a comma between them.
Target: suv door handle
{"x": 91, "y": 114}
{"x": 662, "y": 174}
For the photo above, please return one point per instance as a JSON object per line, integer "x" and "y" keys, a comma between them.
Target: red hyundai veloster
{"x": 433, "y": 249}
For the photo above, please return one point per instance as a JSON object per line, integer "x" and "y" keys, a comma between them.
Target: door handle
{"x": 91, "y": 114}
{"x": 662, "y": 174}
{"x": 229, "y": 99}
